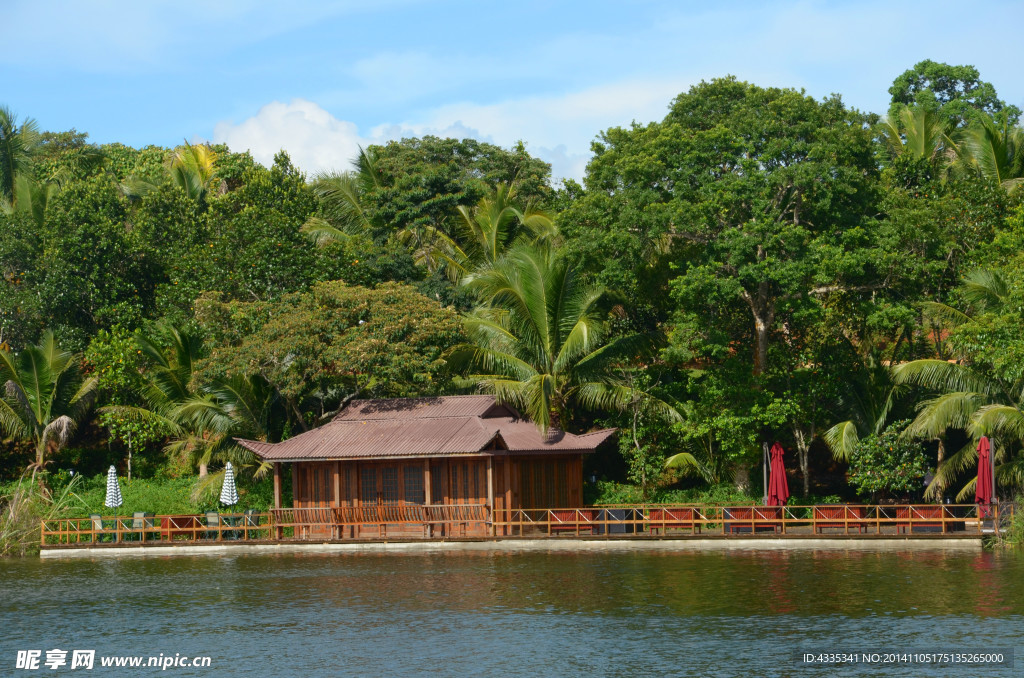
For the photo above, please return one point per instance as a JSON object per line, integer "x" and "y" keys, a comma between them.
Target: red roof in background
{"x": 424, "y": 427}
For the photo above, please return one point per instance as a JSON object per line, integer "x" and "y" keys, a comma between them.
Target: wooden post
{"x": 490, "y": 490}
{"x": 428, "y": 529}
{"x": 277, "y": 492}
{"x": 335, "y": 530}
{"x": 508, "y": 494}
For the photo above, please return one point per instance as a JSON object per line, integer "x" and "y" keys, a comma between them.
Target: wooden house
{"x": 450, "y": 464}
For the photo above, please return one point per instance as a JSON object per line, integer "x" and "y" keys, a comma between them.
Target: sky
{"x": 318, "y": 79}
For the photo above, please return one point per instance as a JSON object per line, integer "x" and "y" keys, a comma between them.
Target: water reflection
{"x": 679, "y": 613}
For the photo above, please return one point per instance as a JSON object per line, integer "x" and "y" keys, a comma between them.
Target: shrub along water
{"x": 23, "y": 505}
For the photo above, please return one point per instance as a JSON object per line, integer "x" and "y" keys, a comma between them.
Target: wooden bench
{"x": 666, "y": 519}
{"x": 571, "y": 520}
{"x": 752, "y": 519}
{"x": 842, "y": 517}
{"x": 921, "y": 519}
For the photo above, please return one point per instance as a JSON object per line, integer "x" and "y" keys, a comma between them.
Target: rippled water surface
{"x": 743, "y": 613}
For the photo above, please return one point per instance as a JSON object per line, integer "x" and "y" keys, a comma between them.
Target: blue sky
{"x": 319, "y": 78}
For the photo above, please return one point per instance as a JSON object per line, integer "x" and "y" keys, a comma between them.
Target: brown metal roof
{"x": 423, "y": 408}
{"x": 423, "y": 427}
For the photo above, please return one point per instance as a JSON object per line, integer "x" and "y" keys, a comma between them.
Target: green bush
{"x": 887, "y": 463}
{"x": 610, "y": 492}
{"x": 169, "y": 496}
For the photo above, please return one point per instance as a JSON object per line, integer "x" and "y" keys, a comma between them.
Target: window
{"x": 389, "y": 484}
{"x": 368, "y": 485}
{"x": 436, "y": 484}
{"x": 413, "y": 477}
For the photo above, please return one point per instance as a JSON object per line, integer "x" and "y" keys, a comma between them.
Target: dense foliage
{"x": 757, "y": 266}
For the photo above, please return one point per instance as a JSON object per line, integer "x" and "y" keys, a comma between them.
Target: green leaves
{"x": 44, "y": 396}
{"x": 540, "y": 339}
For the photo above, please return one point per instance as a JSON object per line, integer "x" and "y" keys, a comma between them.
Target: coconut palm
{"x": 168, "y": 387}
{"x": 44, "y": 397}
{"x": 31, "y": 197}
{"x": 541, "y": 341}
{"x": 193, "y": 169}
{"x": 241, "y": 406}
{"x": 17, "y": 143}
{"x": 918, "y": 132}
{"x": 341, "y": 197}
{"x": 967, "y": 397}
{"x": 482, "y": 234}
{"x": 869, "y": 399}
{"x": 996, "y": 150}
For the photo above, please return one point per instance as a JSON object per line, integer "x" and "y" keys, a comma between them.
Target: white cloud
{"x": 557, "y": 129}
{"x": 314, "y": 138}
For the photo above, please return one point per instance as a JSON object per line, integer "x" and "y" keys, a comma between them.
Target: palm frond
{"x": 842, "y": 439}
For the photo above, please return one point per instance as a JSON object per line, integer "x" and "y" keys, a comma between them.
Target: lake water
{"x": 735, "y": 613}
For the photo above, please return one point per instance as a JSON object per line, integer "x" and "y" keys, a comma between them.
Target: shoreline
{"x": 521, "y": 545}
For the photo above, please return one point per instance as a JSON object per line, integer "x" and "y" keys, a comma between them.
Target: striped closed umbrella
{"x": 228, "y": 492}
{"x": 113, "y": 499}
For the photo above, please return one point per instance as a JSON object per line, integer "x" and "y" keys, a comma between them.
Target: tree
{"x": 997, "y": 152}
{"x": 45, "y": 397}
{"x": 17, "y": 145}
{"x": 540, "y": 340}
{"x": 980, "y": 394}
{"x": 957, "y": 92}
{"x": 483, "y": 234}
{"x": 918, "y": 133}
{"x": 335, "y": 342}
{"x": 167, "y": 387}
{"x": 341, "y": 196}
{"x": 242, "y": 406}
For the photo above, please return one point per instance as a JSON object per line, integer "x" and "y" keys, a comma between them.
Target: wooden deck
{"x": 465, "y": 521}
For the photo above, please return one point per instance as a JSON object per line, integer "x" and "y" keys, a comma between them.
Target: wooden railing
{"x": 445, "y": 520}
{"x": 836, "y": 519}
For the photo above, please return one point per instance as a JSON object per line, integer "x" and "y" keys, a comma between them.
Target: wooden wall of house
{"x": 527, "y": 482}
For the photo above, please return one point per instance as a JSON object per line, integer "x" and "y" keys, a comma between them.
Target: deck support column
{"x": 428, "y": 528}
{"x": 508, "y": 495}
{"x": 335, "y": 530}
{"x": 277, "y": 493}
{"x": 490, "y": 491}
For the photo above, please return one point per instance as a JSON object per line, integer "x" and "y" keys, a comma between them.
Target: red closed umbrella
{"x": 984, "y": 489}
{"x": 778, "y": 488}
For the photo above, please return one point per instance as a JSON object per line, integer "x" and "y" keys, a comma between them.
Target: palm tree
{"x": 31, "y": 197}
{"x": 241, "y": 406}
{"x": 193, "y": 169}
{"x": 17, "y": 144}
{"x": 967, "y": 396}
{"x": 482, "y": 234}
{"x": 168, "y": 388}
{"x": 996, "y": 151}
{"x": 44, "y": 398}
{"x": 869, "y": 399}
{"x": 918, "y": 132}
{"x": 540, "y": 340}
{"x": 341, "y": 197}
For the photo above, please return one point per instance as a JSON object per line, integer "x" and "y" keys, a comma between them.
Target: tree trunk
{"x": 742, "y": 479}
{"x": 803, "y": 455}
{"x": 762, "y": 307}
{"x": 941, "y": 458}
{"x": 202, "y": 470}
